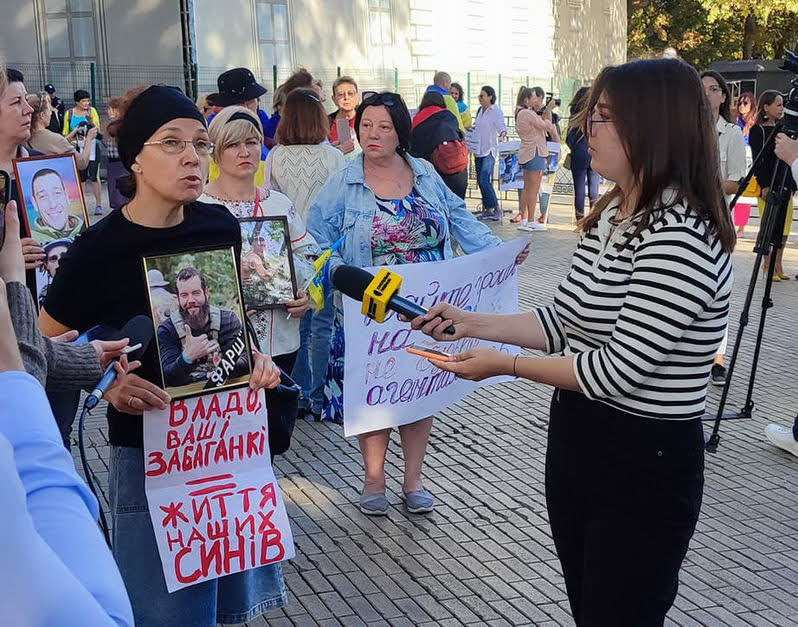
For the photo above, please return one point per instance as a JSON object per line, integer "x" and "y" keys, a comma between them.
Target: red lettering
{"x": 231, "y": 554}
{"x": 172, "y": 439}
{"x": 272, "y": 538}
{"x": 218, "y": 529}
{"x": 268, "y": 495}
{"x": 237, "y": 444}
{"x": 173, "y": 511}
{"x": 204, "y": 504}
{"x": 178, "y": 540}
{"x": 266, "y": 521}
{"x": 253, "y": 402}
{"x": 199, "y": 410}
{"x": 212, "y": 554}
{"x": 195, "y": 536}
{"x": 245, "y": 492}
{"x": 178, "y": 573}
{"x": 249, "y": 521}
{"x": 206, "y": 431}
{"x": 189, "y": 438}
{"x": 187, "y": 457}
{"x": 215, "y": 409}
{"x": 174, "y": 462}
{"x": 156, "y": 458}
{"x": 221, "y": 452}
{"x": 252, "y": 443}
{"x": 178, "y": 413}
{"x": 221, "y": 502}
{"x": 233, "y": 405}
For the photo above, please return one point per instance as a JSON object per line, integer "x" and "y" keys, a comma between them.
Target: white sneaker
{"x": 782, "y": 437}
{"x": 528, "y": 226}
{"x": 522, "y": 225}
{"x": 537, "y": 226}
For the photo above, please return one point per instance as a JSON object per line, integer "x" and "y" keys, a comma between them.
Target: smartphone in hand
{"x": 429, "y": 353}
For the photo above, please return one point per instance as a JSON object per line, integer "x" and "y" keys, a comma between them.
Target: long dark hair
{"x": 302, "y": 119}
{"x": 578, "y": 108}
{"x": 725, "y": 106}
{"x": 750, "y": 117}
{"x": 766, "y": 98}
{"x": 680, "y": 151}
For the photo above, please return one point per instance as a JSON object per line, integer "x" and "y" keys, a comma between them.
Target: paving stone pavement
{"x": 485, "y": 557}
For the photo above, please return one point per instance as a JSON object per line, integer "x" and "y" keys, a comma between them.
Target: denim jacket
{"x": 347, "y": 206}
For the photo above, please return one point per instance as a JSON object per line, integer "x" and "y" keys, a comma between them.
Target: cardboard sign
{"x": 384, "y": 385}
{"x": 215, "y": 504}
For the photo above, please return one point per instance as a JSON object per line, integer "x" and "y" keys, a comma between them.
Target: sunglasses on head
{"x": 385, "y": 98}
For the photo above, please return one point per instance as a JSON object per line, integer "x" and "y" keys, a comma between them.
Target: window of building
{"x": 274, "y": 45}
{"x": 380, "y": 22}
{"x": 70, "y": 33}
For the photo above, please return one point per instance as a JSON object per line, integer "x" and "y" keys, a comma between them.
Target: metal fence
{"x": 104, "y": 82}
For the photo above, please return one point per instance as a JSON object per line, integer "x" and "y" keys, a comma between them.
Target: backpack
{"x": 450, "y": 157}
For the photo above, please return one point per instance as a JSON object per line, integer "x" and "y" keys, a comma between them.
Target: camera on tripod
{"x": 789, "y": 124}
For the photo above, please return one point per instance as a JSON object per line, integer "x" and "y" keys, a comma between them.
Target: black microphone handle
{"x": 411, "y": 310}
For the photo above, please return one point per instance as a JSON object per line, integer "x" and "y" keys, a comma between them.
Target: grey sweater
{"x": 58, "y": 366}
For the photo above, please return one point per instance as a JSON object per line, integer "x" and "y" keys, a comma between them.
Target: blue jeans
{"x": 230, "y": 599}
{"x": 582, "y": 176}
{"x": 310, "y": 370}
{"x": 485, "y": 181}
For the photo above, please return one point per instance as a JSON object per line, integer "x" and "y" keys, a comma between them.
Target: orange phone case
{"x": 429, "y": 354}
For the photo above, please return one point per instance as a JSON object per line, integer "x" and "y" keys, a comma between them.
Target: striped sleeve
{"x": 553, "y": 329}
{"x": 673, "y": 281}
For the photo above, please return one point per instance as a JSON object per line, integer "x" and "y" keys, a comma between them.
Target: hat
{"x": 49, "y": 88}
{"x": 148, "y": 112}
{"x": 81, "y": 94}
{"x": 236, "y": 86}
{"x": 66, "y": 242}
{"x": 155, "y": 278}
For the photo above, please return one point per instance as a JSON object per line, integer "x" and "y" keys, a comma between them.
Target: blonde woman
{"x": 237, "y": 138}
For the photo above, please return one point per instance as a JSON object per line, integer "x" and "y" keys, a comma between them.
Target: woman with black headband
{"x": 163, "y": 141}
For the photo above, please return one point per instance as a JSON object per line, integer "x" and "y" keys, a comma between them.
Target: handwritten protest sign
{"x": 215, "y": 504}
{"x": 384, "y": 385}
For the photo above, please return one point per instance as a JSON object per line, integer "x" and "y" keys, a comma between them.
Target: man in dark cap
{"x": 239, "y": 87}
{"x": 58, "y": 109}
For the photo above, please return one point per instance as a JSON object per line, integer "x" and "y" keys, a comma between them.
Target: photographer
{"x": 636, "y": 323}
{"x": 78, "y": 123}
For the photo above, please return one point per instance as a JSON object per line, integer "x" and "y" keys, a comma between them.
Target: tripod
{"x": 768, "y": 242}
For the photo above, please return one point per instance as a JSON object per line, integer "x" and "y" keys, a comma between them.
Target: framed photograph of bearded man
{"x": 268, "y": 278}
{"x": 198, "y": 313}
{"x": 53, "y": 209}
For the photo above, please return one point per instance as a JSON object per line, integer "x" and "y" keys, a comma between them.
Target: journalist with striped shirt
{"x": 636, "y": 324}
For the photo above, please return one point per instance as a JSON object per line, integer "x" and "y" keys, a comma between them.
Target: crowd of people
{"x": 377, "y": 186}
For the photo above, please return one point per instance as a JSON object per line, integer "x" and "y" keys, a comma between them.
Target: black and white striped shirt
{"x": 644, "y": 324}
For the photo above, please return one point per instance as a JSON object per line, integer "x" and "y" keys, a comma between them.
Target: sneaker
{"x": 537, "y": 226}
{"x": 419, "y": 502}
{"x": 98, "y": 211}
{"x": 717, "y": 375}
{"x": 782, "y": 437}
{"x": 522, "y": 225}
{"x": 374, "y": 504}
{"x": 494, "y": 215}
{"x": 528, "y": 227}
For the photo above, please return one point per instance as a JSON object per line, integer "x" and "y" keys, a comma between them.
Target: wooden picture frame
{"x": 53, "y": 214}
{"x": 268, "y": 280}
{"x": 218, "y": 280}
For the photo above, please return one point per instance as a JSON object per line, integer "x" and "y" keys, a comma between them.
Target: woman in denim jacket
{"x": 392, "y": 208}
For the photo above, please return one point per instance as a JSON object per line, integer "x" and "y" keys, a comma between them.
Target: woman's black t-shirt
{"x": 101, "y": 280}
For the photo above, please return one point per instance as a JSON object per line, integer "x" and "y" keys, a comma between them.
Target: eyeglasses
{"x": 591, "y": 122}
{"x": 176, "y": 146}
{"x": 385, "y": 98}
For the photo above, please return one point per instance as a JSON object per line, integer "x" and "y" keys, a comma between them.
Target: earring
{"x": 136, "y": 168}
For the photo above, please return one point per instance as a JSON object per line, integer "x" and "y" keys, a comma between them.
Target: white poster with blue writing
{"x": 384, "y": 385}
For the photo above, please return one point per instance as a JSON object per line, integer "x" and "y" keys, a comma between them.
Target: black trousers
{"x": 457, "y": 182}
{"x": 623, "y": 495}
{"x": 285, "y": 362}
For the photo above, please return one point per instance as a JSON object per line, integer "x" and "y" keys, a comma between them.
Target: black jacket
{"x": 431, "y": 129}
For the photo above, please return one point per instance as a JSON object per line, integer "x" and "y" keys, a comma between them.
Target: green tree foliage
{"x": 705, "y": 31}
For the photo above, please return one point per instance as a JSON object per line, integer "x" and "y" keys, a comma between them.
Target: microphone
{"x": 377, "y": 293}
{"x": 139, "y": 329}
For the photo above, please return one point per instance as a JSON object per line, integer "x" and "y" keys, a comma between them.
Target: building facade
{"x": 110, "y": 45}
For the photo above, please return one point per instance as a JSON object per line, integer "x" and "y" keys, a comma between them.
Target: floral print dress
{"x": 404, "y": 230}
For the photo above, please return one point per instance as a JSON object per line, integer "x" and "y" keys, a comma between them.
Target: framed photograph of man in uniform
{"x": 52, "y": 208}
{"x": 196, "y": 303}
{"x": 268, "y": 278}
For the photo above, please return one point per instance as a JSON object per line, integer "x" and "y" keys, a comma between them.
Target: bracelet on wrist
{"x": 515, "y": 362}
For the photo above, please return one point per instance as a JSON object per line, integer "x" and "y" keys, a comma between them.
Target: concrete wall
{"x": 143, "y": 32}
{"x": 18, "y": 38}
